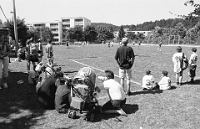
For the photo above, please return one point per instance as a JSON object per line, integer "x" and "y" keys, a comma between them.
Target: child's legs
{"x": 193, "y": 72}
{"x": 179, "y": 77}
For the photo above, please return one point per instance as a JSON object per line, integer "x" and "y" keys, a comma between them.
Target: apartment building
{"x": 70, "y": 22}
{"x": 57, "y": 27}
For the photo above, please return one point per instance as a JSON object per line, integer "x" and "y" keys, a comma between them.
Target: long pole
{"x": 15, "y": 26}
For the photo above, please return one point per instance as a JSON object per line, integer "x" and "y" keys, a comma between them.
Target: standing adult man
{"x": 125, "y": 58}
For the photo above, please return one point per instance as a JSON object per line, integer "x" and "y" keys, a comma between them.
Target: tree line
{"x": 185, "y": 29}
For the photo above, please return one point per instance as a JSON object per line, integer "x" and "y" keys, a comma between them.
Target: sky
{"x": 117, "y": 12}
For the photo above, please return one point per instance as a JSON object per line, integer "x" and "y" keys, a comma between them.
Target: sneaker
{"x": 121, "y": 112}
{"x": 5, "y": 85}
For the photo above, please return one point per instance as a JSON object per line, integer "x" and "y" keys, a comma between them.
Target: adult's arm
{"x": 117, "y": 57}
{"x": 132, "y": 56}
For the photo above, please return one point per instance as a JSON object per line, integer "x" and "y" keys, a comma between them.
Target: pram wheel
{"x": 89, "y": 117}
{"x": 72, "y": 114}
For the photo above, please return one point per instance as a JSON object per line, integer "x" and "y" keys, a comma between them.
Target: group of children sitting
{"x": 148, "y": 82}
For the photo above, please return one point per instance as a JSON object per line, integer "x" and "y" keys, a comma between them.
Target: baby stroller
{"x": 84, "y": 95}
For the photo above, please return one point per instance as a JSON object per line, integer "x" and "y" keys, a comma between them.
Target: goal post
{"x": 174, "y": 39}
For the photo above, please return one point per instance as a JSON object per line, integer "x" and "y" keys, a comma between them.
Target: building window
{"x": 54, "y": 29}
{"x": 65, "y": 20}
{"x": 66, "y": 26}
{"x": 78, "y": 20}
{"x": 55, "y": 40}
{"x": 55, "y": 34}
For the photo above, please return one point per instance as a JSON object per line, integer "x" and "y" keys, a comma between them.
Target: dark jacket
{"x": 125, "y": 57}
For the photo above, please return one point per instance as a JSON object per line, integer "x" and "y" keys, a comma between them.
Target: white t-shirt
{"x": 193, "y": 59}
{"x": 115, "y": 89}
{"x": 165, "y": 83}
{"x": 177, "y": 57}
{"x": 148, "y": 81}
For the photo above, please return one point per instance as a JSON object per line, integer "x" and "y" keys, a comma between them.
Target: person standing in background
{"x": 49, "y": 51}
{"x": 125, "y": 58}
{"x": 40, "y": 51}
{"x": 4, "y": 59}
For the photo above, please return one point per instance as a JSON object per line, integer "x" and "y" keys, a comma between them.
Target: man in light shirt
{"x": 193, "y": 64}
{"x": 116, "y": 95}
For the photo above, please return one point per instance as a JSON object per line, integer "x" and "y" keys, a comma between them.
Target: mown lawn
{"x": 178, "y": 108}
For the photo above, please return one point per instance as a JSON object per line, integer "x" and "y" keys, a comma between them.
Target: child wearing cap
{"x": 165, "y": 82}
{"x": 148, "y": 81}
{"x": 193, "y": 64}
{"x": 179, "y": 59}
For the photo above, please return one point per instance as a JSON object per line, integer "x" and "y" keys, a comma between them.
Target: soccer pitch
{"x": 172, "y": 109}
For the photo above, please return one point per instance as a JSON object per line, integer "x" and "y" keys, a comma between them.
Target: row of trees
{"x": 89, "y": 34}
{"x": 24, "y": 33}
{"x": 187, "y": 28}
{"x": 178, "y": 34}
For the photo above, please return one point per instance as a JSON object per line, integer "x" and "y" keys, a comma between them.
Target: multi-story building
{"x": 57, "y": 27}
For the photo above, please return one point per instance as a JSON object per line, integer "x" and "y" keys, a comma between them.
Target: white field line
{"x": 172, "y": 45}
{"x": 101, "y": 70}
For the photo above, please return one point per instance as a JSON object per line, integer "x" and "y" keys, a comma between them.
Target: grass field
{"x": 178, "y": 108}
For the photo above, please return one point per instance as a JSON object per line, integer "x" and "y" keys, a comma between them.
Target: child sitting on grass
{"x": 148, "y": 81}
{"x": 165, "y": 82}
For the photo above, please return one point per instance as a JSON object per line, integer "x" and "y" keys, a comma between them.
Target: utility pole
{"x": 15, "y": 26}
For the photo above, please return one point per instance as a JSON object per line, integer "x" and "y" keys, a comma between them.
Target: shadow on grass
{"x": 128, "y": 108}
{"x": 196, "y": 82}
{"x": 18, "y": 103}
{"x": 146, "y": 92}
{"x": 150, "y": 91}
